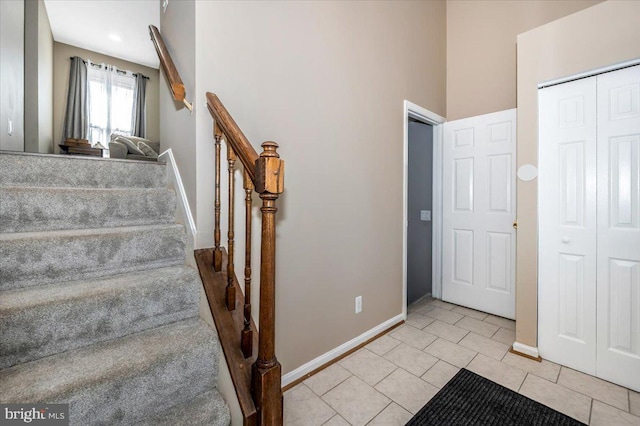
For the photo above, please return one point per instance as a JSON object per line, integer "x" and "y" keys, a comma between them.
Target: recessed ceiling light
{"x": 115, "y": 37}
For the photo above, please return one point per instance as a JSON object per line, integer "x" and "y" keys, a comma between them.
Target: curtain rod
{"x": 100, "y": 65}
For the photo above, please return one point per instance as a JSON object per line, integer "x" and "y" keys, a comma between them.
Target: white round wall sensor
{"x": 527, "y": 173}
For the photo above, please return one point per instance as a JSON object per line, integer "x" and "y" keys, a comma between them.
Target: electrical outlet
{"x": 425, "y": 215}
{"x": 358, "y": 304}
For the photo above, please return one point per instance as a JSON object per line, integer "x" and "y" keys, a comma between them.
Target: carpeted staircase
{"x": 97, "y": 306}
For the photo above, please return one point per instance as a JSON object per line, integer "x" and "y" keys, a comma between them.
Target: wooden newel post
{"x": 266, "y": 371}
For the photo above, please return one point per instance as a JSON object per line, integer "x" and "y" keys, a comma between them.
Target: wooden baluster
{"x": 231, "y": 290}
{"x": 217, "y": 252}
{"x": 266, "y": 371}
{"x": 247, "y": 334}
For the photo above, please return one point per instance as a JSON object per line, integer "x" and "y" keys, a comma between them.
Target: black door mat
{"x": 469, "y": 399}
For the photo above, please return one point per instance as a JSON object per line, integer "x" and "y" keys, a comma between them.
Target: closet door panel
{"x": 618, "y": 265}
{"x": 567, "y": 224}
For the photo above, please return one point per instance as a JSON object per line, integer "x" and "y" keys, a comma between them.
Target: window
{"x": 111, "y": 98}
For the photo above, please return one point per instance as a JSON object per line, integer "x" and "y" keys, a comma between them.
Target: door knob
{"x": 565, "y": 240}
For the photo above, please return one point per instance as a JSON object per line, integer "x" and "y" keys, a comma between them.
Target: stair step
{"x": 42, "y": 321}
{"x": 21, "y": 169}
{"x": 24, "y": 209}
{"x": 38, "y": 258}
{"x": 206, "y": 409}
{"x": 121, "y": 381}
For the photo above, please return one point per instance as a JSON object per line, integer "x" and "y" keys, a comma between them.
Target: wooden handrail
{"x": 238, "y": 141}
{"x": 169, "y": 68}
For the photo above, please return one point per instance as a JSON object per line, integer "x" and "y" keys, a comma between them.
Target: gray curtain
{"x": 139, "y": 115}
{"x": 76, "y": 119}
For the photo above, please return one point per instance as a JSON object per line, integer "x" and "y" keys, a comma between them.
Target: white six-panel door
{"x": 478, "y": 213}
{"x": 618, "y": 284}
{"x": 567, "y": 224}
{"x": 589, "y": 225}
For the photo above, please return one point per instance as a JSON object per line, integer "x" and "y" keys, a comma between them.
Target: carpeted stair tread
{"x": 44, "y": 320}
{"x": 97, "y": 306}
{"x": 20, "y": 169}
{"x": 124, "y": 380}
{"x": 25, "y": 209}
{"x": 37, "y": 258}
{"x": 206, "y": 409}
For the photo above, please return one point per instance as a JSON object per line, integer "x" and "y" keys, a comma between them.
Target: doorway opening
{"x": 422, "y": 204}
{"x": 419, "y": 209}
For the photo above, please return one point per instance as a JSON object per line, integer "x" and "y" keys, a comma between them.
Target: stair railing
{"x": 263, "y": 174}
{"x": 169, "y": 68}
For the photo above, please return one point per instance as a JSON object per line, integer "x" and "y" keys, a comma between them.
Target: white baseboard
{"x": 183, "y": 213}
{"x": 307, "y": 368}
{"x": 525, "y": 349}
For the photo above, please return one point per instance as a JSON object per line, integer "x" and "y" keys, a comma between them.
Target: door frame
{"x": 411, "y": 110}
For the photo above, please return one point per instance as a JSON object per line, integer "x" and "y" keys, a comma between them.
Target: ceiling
{"x": 91, "y": 24}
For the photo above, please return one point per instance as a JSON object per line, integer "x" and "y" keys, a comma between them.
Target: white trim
{"x": 318, "y": 362}
{"x": 184, "y": 211}
{"x": 436, "y": 250}
{"x": 525, "y": 349}
{"x": 421, "y": 114}
{"x": 589, "y": 73}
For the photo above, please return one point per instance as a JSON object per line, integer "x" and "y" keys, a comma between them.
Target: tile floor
{"x": 390, "y": 379}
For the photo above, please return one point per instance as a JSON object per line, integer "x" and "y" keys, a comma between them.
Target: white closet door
{"x": 618, "y": 354}
{"x": 478, "y": 213}
{"x": 567, "y": 224}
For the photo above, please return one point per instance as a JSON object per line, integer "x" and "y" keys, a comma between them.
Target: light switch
{"x": 425, "y": 215}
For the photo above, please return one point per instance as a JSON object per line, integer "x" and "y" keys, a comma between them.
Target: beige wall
{"x": 38, "y": 75}
{"x": 177, "y": 125}
{"x": 481, "y": 49}
{"x": 605, "y": 34}
{"x": 327, "y": 81}
{"x": 61, "y": 54}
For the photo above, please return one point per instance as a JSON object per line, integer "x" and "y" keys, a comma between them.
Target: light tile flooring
{"x": 390, "y": 379}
